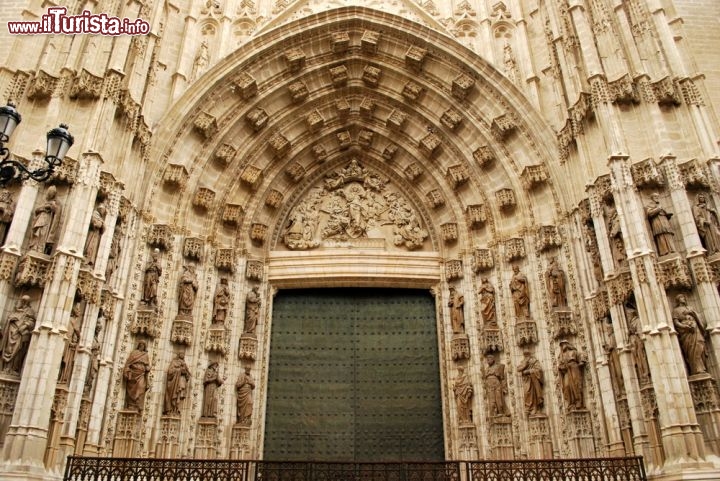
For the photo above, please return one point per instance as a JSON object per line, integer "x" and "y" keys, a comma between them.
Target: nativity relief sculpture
{"x": 353, "y": 203}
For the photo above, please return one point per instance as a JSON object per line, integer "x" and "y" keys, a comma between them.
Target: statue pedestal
{"x": 525, "y": 332}
{"x": 468, "y": 441}
{"x": 127, "y": 434}
{"x": 8, "y": 394}
{"x": 240, "y": 442}
{"x": 248, "y": 347}
{"x": 501, "y": 438}
{"x": 216, "y": 339}
{"x": 206, "y": 442}
{"x": 182, "y": 330}
{"x": 168, "y": 444}
{"x": 460, "y": 347}
{"x": 706, "y": 399}
{"x": 563, "y": 324}
{"x": 32, "y": 270}
{"x": 146, "y": 322}
{"x": 581, "y": 433}
{"x": 540, "y": 440}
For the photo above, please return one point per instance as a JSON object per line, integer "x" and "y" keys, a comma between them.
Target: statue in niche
{"x": 533, "y": 383}
{"x": 153, "y": 271}
{"x": 691, "y": 330}
{"x": 617, "y": 244}
{"x": 520, "y": 294}
{"x": 7, "y": 210}
{"x": 457, "y": 311}
{"x": 571, "y": 366}
{"x": 97, "y": 227}
{"x": 176, "y": 386}
{"x": 592, "y": 248}
{"x": 637, "y": 345}
{"x": 221, "y": 302}
{"x": 211, "y": 383}
{"x": 73, "y": 339}
{"x": 610, "y": 347}
{"x": 16, "y": 336}
{"x": 46, "y": 223}
{"x": 114, "y": 255}
{"x": 202, "y": 60}
{"x": 187, "y": 290}
{"x": 135, "y": 374}
{"x": 244, "y": 389}
{"x": 660, "y": 227}
{"x": 496, "y": 386}
{"x": 708, "y": 225}
{"x": 94, "y": 359}
{"x": 463, "y": 389}
{"x": 487, "y": 304}
{"x": 556, "y": 284}
{"x": 252, "y": 310}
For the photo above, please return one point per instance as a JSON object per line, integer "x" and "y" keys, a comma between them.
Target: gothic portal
{"x": 540, "y": 176}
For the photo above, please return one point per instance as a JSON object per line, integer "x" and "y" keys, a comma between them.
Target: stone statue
{"x": 708, "y": 225}
{"x": 610, "y": 347}
{"x": 16, "y": 336}
{"x": 187, "y": 291}
{"x": 534, "y": 383}
{"x": 637, "y": 345}
{"x": 97, "y": 227}
{"x": 244, "y": 390}
{"x": 464, "y": 391}
{"x": 68, "y": 359}
{"x": 176, "y": 386}
{"x": 660, "y": 227}
{"x": 7, "y": 210}
{"x": 457, "y": 311}
{"x": 221, "y": 302}
{"x": 691, "y": 330}
{"x": 556, "y": 284}
{"x": 211, "y": 383}
{"x": 252, "y": 310}
{"x": 114, "y": 254}
{"x": 94, "y": 359}
{"x": 153, "y": 271}
{"x": 46, "y": 223}
{"x": 487, "y": 304}
{"x": 202, "y": 59}
{"x": 571, "y": 366}
{"x": 496, "y": 386}
{"x": 520, "y": 294}
{"x": 615, "y": 231}
{"x": 135, "y": 374}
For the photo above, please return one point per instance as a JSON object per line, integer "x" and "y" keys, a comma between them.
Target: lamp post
{"x": 59, "y": 142}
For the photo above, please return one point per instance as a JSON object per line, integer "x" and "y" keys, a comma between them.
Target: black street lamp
{"x": 59, "y": 142}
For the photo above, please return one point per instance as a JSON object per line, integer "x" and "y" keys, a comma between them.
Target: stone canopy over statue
{"x": 353, "y": 203}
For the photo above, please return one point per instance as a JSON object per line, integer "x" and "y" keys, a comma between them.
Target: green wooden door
{"x": 354, "y": 377}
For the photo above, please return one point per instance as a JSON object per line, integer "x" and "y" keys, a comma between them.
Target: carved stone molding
{"x": 193, "y": 248}
{"x": 203, "y": 198}
{"x": 146, "y": 322}
{"x": 279, "y": 144}
{"x": 257, "y": 118}
{"x": 396, "y": 120}
{"x": 389, "y": 152}
{"x": 600, "y": 305}
{"x": 298, "y": 91}
{"x": 295, "y": 59}
{"x": 414, "y": 171}
{"x": 484, "y": 156}
{"x": 457, "y": 175}
{"x": 563, "y": 324}
{"x": 206, "y": 125}
{"x": 694, "y": 174}
{"x": 460, "y": 347}
{"x": 435, "y": 199}
{"x": 108, "y": 185}
{"x": 274, "y": 199}
{"x": 704, "y": 392}
{"x": 701, "y": 270}
{"x": 451, "y": 119}
{"x": 247, "y": 349}
{"x": 624, "y": 90}
{"x": 251, "y": 175}
{"x": 365, "y": 138}
{"x": 371, "y": 75}
{"x": 7, "y": 265}
{"x": 89, "y": 287}
{"x": 548, "y": 238}
{"x": 225, "y": 153}
{"x": 449, "y": 232}
{"x": 340, "y": 41}
{"x": 175, "y": 174}
{"x": 429, "y": 144}
{"x": 690, "y": 92}
{"x": 315, "y": 121}
{"x": 674, "y": 272}
{"x": 32, "y": 270}
{"x": 526, "y": 333}
{"x": 646, "y": 174}
{"x": 367, "y": 107}
{"x": 603, "y": 187}
{"x": 619, "y": 288}
{"x": 412, "y": 91}
{"x": 462, "y": 85}
{"x": 225, "y": 260}
{"x": 505, "y": 199}
{"x": 491, "y": 340}
{"x": 415, "y": 57}
{"x": 232, "y": 214}
{"x": 482, "y": 260}
{"x": 453, "y": 269}
{"x": 216, "y": 341}
{"x": 369, "y": 41}
{"x": 161, "y": 236}
{"x": 649, "y": 402}
{"x": 296, "y": 171}
{"x": 514, "y": 249}
{"x": 320, "y": 154}
{"x": 343, "y": 107}
{"x": 502, "y": 126}
{"x": 245, "y": 85}
{"x": 339, "y": 75}
{"x": 344, "y": 139}
{"x": 181, "y": 332}
{"x": 43, "y": 86}
{"x": 534, "y": 175}
{"x": 254, "y": 270}
{"x": 86, "y": 86}
{"x": 67, "y": 172}
{"x": 258, "y": 232}
{"x": 666, "y": 92}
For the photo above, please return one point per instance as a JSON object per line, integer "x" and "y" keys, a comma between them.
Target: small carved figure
{"x": 46, "y": 223}
{"x": 16, "y": 336}
{"x": 7, "y": 210}
{"x": 520, "y": 294}
{"x": 221, "y": 302}
{"x": 571, "y": 365}
{"x": 178, "y": 378}
{"x": 114, "y": 255}
{"x": 464, "y": 391}
{"x": 94, "y": 360}
{"x": 252, "y": 310}
{"x": 610, "y": 347}
{"x": 187, "y": 290}
{"x": 496, "y": 386}
{"x": 660, "y": 226}
{"x": 68, "y": 359}
{"x": 244, "y": 390}
{"x": 691, "y": 329}
{"x": 534, "y": 382}
{"x": 457, "y": 311}
{"x": 637, "y": 345}
{"x": 202, "y": 59}
{"x": 615, "y": 231}
{"x": 487, "y": 304}
{"x": 97, "y": 227}
{"x": 556, "y": 284}
{"x": 153, "y": 271}
{"x": 708, "y": 225}
{"x": 211, "y": 383}
{"x": 135, "y": 374}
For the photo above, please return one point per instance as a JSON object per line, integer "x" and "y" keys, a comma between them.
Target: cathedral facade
{"x": 479, "y": 229}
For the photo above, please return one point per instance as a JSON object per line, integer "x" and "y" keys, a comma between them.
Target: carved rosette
{"x": 514, "y": 249}
{"x": 203, "y": 198}
{"x": 563, "y": 324}
{"x": 674, "y": 272}
{"x": 256, "y": 119}
{"x": 371, "y": 75}
{"x": 548, "y": 238}
{"x": 491, "y": 340}
{"x": 430, "y": 144}
{"x": 435, "y": 199}
{"x": 175, "y": 175}
{"x": 482, "y": 260}
{"x": 279, "y": 144}
{"x": 32, "y": 270}
{"x": 232, "y": 214}
{"x": 160, "y": 236}
{"x": 534, "y": 175}
{"x": 457, "y": 175}
{"x": 216, "y": 341}
{"x": 193, "y": 248}
{"x": 206, "y": 125}
{"x": 258, "y": 232}
{"x": 412, "y": 91}
{"x": 505, "y": 199}
{"x": 146, "y": 322}
{"x": 274, "y": 199}
{"x": 451, "y": 119}
{"x": 449, "y": 232}
{"x": 225, "y": 153}
{"x": 462, "y": 85}
{"x": 182, "y": 330}
{"x": 414, "y": 58}
{"x": 460, "y": 347}
{"x": 369, "y": 41}
{"x": 247, "y": 349}
{"x": 526, "y": 333}
{"x": 502, "y": 126}
{"x": 453, "y": 269}
{"x": 254, "y": 270}
{"x": 389, "y": 152}
{"x": 483, "y": 155}
{"x": 225, "y": 260}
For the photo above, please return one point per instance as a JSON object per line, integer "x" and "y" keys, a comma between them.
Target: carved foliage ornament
{"x": 353, "y": 203}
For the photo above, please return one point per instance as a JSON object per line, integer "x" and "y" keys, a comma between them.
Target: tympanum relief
{"x": 353, "y": 203}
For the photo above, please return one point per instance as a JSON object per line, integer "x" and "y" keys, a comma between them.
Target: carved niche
{"x": 353, "y": 204}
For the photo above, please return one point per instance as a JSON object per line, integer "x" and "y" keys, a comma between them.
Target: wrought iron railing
{"x": 152, "y": 469}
